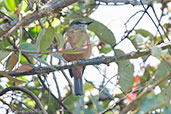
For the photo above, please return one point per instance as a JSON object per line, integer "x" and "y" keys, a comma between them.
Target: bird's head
{"x": 80, "y": 23}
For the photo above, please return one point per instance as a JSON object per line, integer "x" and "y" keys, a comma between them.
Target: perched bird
{"x": 76, "y": 37}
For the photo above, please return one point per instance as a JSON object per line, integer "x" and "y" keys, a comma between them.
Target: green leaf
{"x": 151, "y": 102}
{"x": 156, "y": 51}
{"x": 166, "y": 93}
{"x": 10, "y": 5}
{"x": 3, "y": 54}
{"x": 60, "y": 40}
{"x": 72, "y": 51}
{"x": 105, "y": 49}
{"x": 144, "y": 33}
{"x": 27, "y": 47}
{"x": 58, "y": 56}
{"x": 167, "y": 110}
{"x": 125, "y": 71}
{"x": 163, "y": 69}
{"x": 39, "y": 38}
{"x": 104, "y": 34}
{"x": 47, "y": 38}
{"x": 24, "y": 5}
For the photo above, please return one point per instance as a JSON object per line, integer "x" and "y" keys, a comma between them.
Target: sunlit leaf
{"x": 88, "y": 86}
{"x": 47, "y": 38}
{"x": 12, "y": 61}
{"x": 10, "y": 5}
{"x": 125, "y": 71}
{"x": 11, "y": 78}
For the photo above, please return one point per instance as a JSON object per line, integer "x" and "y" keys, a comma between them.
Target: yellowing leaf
{"x": 11, "y": 78}
{"x": 47, "y": 38}
{"x": 12, "y": 61}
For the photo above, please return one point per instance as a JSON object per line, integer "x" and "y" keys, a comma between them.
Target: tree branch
{"x": 12, "y": 88}
{"x": 46, "y": 10}
{"x": 132, "y": 2}
{"x": 93, "y": 61}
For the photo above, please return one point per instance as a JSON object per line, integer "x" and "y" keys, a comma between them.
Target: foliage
{"x": 33, "y": 45}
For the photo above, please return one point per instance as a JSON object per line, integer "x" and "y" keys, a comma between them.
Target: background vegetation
{"x": 30, "y": 46}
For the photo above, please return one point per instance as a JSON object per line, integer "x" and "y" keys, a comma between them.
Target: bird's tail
{"x": 78, "y": 86}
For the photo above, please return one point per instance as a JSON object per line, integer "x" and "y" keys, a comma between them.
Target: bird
{"x": 76, "y": 37}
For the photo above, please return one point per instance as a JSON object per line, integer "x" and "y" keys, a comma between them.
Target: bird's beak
{"x": 88, "y": 23}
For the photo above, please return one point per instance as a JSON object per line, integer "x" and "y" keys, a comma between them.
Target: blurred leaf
{"x": 125, "y": 71}
{"x": 3, "y": 54}
{"x": 144, "y": 33}
{"x": 105, "y": 94}
{"x": 163, "y": 69}
{"x": 106, "y": 48}
{"x": 166, "y": 93}
{"x": 27, "y": 47}
{"x": 60, "y": 40}
{"x": 11, "y": 78}
{"x": 156, "y": 51}
{"x": 139, "y": 39}
{"x": 88, "y": 86}
{"x": 10, "y": 5}
{"x": 70, "y": 100}
{"x": 58, "y": 56}
{"x": 12, "y": 61}
{"x": 104, "y": 34}
{"x": 24, "y": 5}
{"x": 151, "y": 102}
{"x": 47, "y": 38}
{"x": 77, "y": 108}
{"x": 72, "y": 51}
{"x": 167, "y": 110}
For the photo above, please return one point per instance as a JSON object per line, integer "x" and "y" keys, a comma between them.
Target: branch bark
{"x": 132, "y": 2}
{"x": 94, "y": 61}
{"x": 48, "y": 9}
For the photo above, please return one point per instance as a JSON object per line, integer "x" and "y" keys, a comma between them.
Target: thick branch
{"x": 93, "y": 61}
{"x": 132, "y": 2}
{"x": 46, "y": 10}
